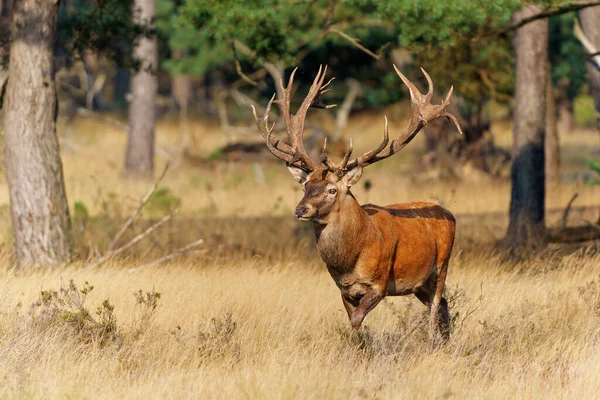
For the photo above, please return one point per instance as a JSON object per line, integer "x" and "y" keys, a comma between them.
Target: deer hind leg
{"x": 439, "y": 317}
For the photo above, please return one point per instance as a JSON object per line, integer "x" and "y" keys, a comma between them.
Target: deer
{"x": 370, "y": 251}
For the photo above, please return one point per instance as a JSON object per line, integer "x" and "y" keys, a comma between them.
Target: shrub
{"x": 66, "y": 308}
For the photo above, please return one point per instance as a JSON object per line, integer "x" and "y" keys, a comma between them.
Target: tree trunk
{"x": 38, "y": 203}
{"x": 526, "y": 228}
{"x": 181, "y": 89}
{"x": 139, "y": 159}
{"x": 590, "y": 22}
{"x": 552, "y": 148}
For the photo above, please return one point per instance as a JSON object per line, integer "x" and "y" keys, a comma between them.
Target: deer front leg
{"x": 359, "y": 305}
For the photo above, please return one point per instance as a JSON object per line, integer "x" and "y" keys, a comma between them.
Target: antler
{"x": 422, "y": 112}
{"x": 294, "y": 153}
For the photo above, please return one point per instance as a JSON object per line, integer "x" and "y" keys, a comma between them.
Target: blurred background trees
{"x": 212, "y": 59}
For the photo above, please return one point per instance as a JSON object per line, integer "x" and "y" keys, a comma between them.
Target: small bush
{"x": 145, "y": 308}
{"x": 590, "y": 293}
{"x": 66, "y": 308}
{"x": 219, "y": 340}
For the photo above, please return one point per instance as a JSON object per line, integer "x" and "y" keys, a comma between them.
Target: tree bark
{"x": 552, "y": 148}
{"x": 38, "y": 202}
{"x": 139, "y": 158}
{"x": 526, "y": 227}
{"x": 590, "y": 22}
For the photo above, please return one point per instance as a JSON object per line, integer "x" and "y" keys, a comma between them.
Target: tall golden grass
{"x": 271, "y": 324}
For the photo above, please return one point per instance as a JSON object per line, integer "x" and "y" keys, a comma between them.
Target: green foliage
{"x": 594, "y": 165}
{"x": 162, "y": 201}
{"x": 566, "y": 55}
{"x": 204, "y": 33}
{"x": 80, "y": 216}
{"x": 104, "y": 26}
{"x": 441, "y": 24}
{"x": 584, "y": 110}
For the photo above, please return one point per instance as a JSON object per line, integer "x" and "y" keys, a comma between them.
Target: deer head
{"x": 327, "y": 183}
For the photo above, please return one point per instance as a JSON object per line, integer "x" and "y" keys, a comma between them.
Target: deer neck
{"x": 340, "y": 238}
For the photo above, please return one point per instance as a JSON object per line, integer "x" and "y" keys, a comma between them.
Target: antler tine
{"x": 422, "y": 112}
{"x": 453, "y": 119}
{"x": 324, "y": 151}
{"x": 429, "y": 94}
{"x": 447, "y": 98}
{"x": 366, "y": 157}
{"x": 411, "y": 87}
{"x": 277, "y": 148}
{"x": 295, "y": 123}
{"x": 325, "y": 160}
{"x": 347, "y": 155}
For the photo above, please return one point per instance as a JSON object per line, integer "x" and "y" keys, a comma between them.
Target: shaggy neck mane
{"x": 339, "y": 240}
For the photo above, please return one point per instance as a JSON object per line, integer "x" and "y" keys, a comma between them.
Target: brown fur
{"x": 372, "y": 251}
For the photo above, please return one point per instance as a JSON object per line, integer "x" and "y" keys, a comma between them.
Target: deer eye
{"x": 332, "y": 191}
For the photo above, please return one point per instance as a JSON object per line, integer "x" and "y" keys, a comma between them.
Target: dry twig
{"x": 183, "y": 251}
{"x": 139, "y": 208}
{"x": 565, "y": 216}
{"x": 109, "y": 254}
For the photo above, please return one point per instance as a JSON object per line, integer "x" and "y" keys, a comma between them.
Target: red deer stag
{"x": 370, "y": 251}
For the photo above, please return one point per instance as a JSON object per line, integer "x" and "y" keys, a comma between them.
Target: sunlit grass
{"x": 265, "y": 320}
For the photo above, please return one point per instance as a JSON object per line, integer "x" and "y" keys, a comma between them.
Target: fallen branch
{"x": 108, "y": 255}
{"x": 565, "y": 216}
{"x": 137, "y": 211}
{"x": 177, "y": 253}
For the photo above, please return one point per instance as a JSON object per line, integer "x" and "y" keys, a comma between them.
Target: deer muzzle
{"x": 304, "y": 212}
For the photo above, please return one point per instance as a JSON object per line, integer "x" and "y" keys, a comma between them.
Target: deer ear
{"x": 352, "y": 177}
{"x": 299, "y": 174}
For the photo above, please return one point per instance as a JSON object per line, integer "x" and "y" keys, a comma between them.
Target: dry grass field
{"x": 263, "y": 319}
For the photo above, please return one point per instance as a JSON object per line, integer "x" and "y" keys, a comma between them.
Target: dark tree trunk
{"x": 552, "y": 148}
{"x": 6, "y": 7}
{"x": 39, "y": 208}
{"x": 526, "y": 228}
{"x": 139, "y": 159}
{"x": 590, "y": 22}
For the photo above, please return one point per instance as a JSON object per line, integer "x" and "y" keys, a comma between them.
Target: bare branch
{"x": 565, "y": 216}
{"x": 246, "y": 78}
{"x": 590, "y": 48}
{"x": 139, "y": 208}
{"x": 177, "y": 253}
{"x": 352, "y": 40}
{"x": 552, "y": 11}
{"x": 132, "y": 242}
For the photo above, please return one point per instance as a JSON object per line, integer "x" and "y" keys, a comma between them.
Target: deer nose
{"x": 301, "y": 210}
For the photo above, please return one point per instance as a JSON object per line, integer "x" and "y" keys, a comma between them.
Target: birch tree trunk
{"x": 527, "y": 228}
{"x": 38, "y": 202}
{"x": 139, "y": 158}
